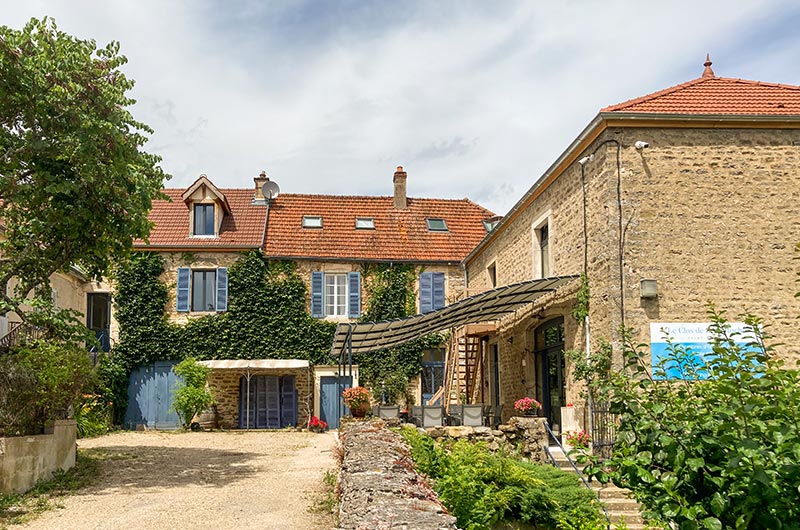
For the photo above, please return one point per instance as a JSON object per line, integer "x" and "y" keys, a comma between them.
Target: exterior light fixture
{"x": 648, "y": 288}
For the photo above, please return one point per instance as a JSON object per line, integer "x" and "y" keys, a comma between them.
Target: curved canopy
{"x": 490, "y": 305}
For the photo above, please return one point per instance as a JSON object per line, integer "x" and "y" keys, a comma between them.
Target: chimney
{"x": 400, "y": 188}
{"x": 260, "y": 180}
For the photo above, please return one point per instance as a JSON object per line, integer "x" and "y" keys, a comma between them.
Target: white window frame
{"x": 312, "y": 221}
{"x": 545, "y": 219}
{"x": 365, "y": 223}
{"x": 335, "y": 303}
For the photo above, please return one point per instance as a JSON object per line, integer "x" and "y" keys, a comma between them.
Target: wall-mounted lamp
{"x": 648, "y": 288}
{"x": 586, "y": 159}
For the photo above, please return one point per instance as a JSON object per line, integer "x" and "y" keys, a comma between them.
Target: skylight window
{"x": 489, "y": 224}
{"x": 365, "y": 223}
{"x": 312, "y": 221}
{"x": 436, "y": 225}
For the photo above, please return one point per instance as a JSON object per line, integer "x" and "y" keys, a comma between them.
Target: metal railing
{"x": 546, "y": 447}
{"x": 19, "y": 334}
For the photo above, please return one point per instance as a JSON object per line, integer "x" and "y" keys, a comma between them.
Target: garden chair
{"x": 472, "y": 416}
{"x": 388, "y": 411}
{"x": 432, "y": 416}
{"x": 416, "y": 415}
{"x": 455, "y": 415}
{"x": 493, "y": 415}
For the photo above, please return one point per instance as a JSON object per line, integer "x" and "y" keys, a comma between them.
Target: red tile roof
{"x": 718, "y": 95}
{"x": 399, "y": 235}
{"x": 243, "y": 228}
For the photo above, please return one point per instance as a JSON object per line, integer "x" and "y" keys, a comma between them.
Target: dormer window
{"x": 312, "y": 221}
{"x": 436, "y": 225}
{"x": 365, "y": 223}
{"x": 204, "y": 219}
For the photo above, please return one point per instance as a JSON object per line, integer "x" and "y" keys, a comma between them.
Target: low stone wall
{"x": 25, "y": 460}
{"x": 379, "y": 487}
{"x": 524, "y": 434}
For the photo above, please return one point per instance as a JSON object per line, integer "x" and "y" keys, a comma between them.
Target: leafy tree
{"x": 713, "y": 453}
{"x": 192, "y": 396}
{"x": 75, "y": 184}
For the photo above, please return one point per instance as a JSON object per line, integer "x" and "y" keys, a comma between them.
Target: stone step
{"x": 628, "y": 516}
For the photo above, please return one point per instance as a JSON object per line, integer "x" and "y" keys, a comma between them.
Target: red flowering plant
{"x": 356, "y": 397}
{"x": 526, "y": 405}
{"x": 578, "y": 439}
{"x": 317, "y": 425}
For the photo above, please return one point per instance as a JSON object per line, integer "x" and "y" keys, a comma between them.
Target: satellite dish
{"x": 270, "y": 189}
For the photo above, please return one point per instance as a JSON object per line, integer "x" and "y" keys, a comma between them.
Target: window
{"x": 202, "y": 290}
{"x": 544, "y": 250}
{"x": 436, "y": 225}
{"x": 489, "y": 224}
{"x": 492, "y": 270}
{"x": 203, "y": 220}
{"x": 365, "y": 223}
{"x": 431, "y": 291}
{"x": 335, "y": 294}
{"x": 312, "y": 221}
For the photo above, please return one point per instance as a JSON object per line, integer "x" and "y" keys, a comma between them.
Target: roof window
{"x": 436, "y": 225}
{"x": 312, "y": 221}
{"x": 365, "y": 223}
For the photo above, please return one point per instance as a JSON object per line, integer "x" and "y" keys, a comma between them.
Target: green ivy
{"x": 581, "y": 309}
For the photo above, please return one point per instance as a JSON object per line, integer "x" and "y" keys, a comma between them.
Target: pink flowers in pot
{"x": 527, "y": 405}
{"x": 356, "y": 397}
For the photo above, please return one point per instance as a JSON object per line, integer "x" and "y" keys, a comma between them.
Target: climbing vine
{"x": 581, "y": 309}
{"x": 390, "y": 294}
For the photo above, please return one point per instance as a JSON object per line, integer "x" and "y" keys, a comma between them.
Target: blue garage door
{"x": 329, "y": 404}
{"x": 150, "y": 392}
{"x": 269, "y": 402}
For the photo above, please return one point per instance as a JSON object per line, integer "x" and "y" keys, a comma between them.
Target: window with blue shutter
{"x": 288, "y": 401}
{"x": 354, "y": 294}
{"x": 317, "y": 282}
{"x": 182, "y": 297}
{"x": 431, "y": 291}
{"x": 222, "y": 289}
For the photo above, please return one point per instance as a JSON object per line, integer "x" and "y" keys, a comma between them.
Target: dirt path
{"x": 265, "y": 480}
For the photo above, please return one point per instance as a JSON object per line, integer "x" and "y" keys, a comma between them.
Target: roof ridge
{"x": 759, "y": 83}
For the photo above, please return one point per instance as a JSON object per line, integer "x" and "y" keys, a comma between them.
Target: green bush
{"x": 720, "y": 452}
{"x": 40, "y": 382}
{"x": 191, "y": 394}
{"x": 482, "y": 488}
{"x": 93, "y": 416}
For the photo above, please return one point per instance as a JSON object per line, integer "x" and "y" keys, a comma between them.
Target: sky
{"x": 475, "y": 99}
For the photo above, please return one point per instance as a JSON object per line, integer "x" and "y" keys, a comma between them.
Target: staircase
{"x": 617, "y": 501}
{"x": 461, "y": 372}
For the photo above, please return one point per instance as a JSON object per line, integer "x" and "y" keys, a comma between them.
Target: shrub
{"x": 92, "y": 415}
{"x": 191, "y": 394}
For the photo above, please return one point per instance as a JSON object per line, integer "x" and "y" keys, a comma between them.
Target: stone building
{"x": 666, "y": 202}
{"x": 203, "y": 229}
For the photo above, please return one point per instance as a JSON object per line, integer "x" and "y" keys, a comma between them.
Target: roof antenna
{"x": 708, "y": 72}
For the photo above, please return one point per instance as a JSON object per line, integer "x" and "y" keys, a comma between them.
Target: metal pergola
{"x": 353, "y": 338}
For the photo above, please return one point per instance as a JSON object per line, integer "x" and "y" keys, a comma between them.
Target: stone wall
{"x": 224, "y": 386}
{"x": 25, "y": 460}
{"x": 379, "y": 487}
{"x": 711, "y": 214}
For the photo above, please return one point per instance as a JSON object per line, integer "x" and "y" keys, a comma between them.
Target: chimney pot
{"x": 260, "y": 180}
{"x": 399, "y": 179}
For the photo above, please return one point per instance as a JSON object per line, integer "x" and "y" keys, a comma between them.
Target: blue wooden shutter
{"x": 273, "y": 402}
{"x": 317, "y": 284}
{"x": 222, "y": 289}
{"x": 354, "y": 294}
{"x": 288, "y": 401}
{"x": 182, "y": 298}
{"x": 438, "y": 290}
{"x": 425, "y": 292}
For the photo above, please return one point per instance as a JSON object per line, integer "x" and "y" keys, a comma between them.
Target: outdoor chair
{"x": 472, "y": 416}
{"x": 455, "y": 415}
{"x": 388, "y": 411}
{"x": 493, "y": 415}
{"x": 416, "y": 415}
{"x": 432, "y": 416}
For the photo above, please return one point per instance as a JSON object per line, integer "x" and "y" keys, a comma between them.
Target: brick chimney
{"x": 260, "y": 180}
{"x": 400, "y": 188}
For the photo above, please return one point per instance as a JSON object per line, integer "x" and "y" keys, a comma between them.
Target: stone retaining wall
{"x": 379, "y": 487}
{"x": 25, "y": 460}
{"x": 524, "y": 434}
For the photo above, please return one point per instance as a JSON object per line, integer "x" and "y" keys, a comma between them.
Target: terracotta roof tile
{"x": 244, "y": 227}
{"x": 718, "y": 95}
{"x": 399, "y": 235}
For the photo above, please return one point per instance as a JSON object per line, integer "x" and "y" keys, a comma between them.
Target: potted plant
{"x": 317, "y": 425}
{"x": 527, "y": 406}
{"x": 357, "y": 400}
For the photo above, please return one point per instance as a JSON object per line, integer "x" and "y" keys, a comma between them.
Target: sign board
{"x": 693, "y": 336}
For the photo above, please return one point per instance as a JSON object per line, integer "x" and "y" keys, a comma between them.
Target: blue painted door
{"x": 329, "y": 404}
{"x": 150, "y": 392}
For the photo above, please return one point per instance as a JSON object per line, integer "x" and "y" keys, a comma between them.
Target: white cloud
{"x": 474, "y": 99}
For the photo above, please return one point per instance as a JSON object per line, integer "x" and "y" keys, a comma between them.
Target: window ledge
{"x": 194, "y": 236}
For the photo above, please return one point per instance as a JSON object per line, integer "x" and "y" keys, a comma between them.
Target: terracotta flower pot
{"x": 359, "y": 411}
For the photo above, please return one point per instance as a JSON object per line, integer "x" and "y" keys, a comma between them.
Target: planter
{"x": 360, "y": 411}
{"x": 209, "y": 418}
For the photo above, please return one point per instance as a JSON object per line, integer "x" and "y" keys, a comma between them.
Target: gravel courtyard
{"x": 158, "y": 480}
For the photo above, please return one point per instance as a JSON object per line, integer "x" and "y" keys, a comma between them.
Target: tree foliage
{"x": 713, "y": 453}
{"x": 75, "y": 184}
{"x": 192, "y": 396}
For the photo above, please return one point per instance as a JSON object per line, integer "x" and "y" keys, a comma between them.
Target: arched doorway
{"x": 549, "y": 358}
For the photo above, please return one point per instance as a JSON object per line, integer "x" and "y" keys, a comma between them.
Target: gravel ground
{"x": 220, "y": 480}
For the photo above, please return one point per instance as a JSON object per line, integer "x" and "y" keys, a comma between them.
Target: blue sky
{"x": 475, "y": 99}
